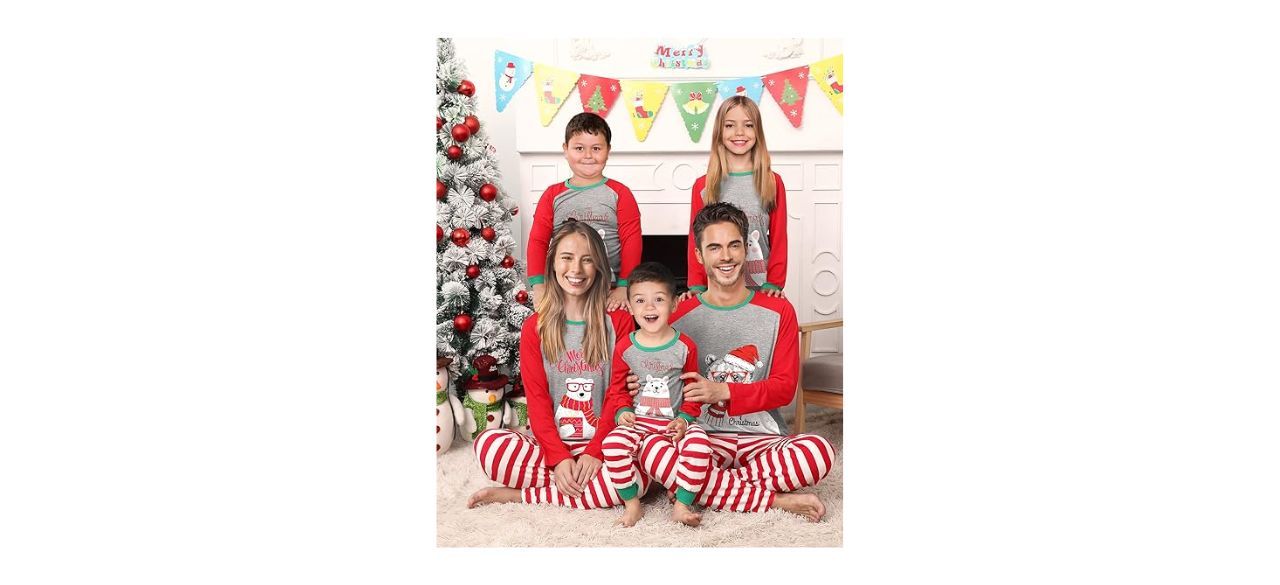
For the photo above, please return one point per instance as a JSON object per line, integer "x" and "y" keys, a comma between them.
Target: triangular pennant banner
{"x": 788, "y": 89}
{"x": 694, "y": 101}
{"x": 598, "y": 94}
{"x": 644, "y": 99}
{"x": 829, "y": 73}
{"x": 553, "y": 85}
{"x": 509, "y": 74}
{"x": 748, "y": 86}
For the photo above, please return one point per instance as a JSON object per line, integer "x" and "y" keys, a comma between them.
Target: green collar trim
{"x": 572, "y": 322}
{"x": 742, "y": 174}
{"x": 750, "y": 295}
{"x": 636, "y": 343}
{"x": 603, "y": 180}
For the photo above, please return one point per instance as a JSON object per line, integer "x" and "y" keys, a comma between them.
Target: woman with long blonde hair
{"x": 566, "y": 351}
{"x": 739, "y": 172}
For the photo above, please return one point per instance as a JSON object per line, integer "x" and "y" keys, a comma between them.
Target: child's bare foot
{"x": 807, "y": 505}
{"x": 494, "y": 495}
{"x": 682, "y": 514}
{"x": 632, "y": 514}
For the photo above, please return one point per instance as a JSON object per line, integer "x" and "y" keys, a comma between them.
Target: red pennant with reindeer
{"x": 598, "y": 94}
{"x": 788, "y": 89}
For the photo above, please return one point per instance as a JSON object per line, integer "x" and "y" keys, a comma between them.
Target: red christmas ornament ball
{"x": 462, "y": 323}
{"x": 515, "y": 210}
{"x": 488, "y": 192}
{"x": 508, "y": 262}
{"x": 473, "y": 271}
{"x": 439, "y": 122}
{"x": 460, "y": 237}
{"x": 472, "y": 123}
{"x": 453, "y": 152}
{"x": 440, "y": 189}
{"x": 467, "y": 88}
{"x": 439, "y": 233}
{"x": 461, "y": 133}
{"x": 488, "y": 234}
{"x": 522, "y": 297}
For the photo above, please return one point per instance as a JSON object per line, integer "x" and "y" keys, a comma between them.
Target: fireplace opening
{"x": 671, "y": 251}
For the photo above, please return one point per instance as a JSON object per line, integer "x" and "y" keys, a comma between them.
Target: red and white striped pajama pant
{"x": 690, "y": 464}
{"x": 747, "y": 470}
{"x": 515, "y": 460}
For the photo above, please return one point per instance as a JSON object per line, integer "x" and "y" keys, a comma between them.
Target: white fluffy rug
{"x": 457, "y": 476}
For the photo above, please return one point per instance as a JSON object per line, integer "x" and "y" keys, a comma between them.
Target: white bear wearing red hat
{"x": 741, "y": 366}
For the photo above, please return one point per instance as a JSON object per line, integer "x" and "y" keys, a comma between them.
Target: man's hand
{"x": 627, "y": 419}
{"x": 563, "y": 474}
{"x": 617, "y": 300}
{"x": 633, "y": 384}
{"x": 586, "y": 469}
{"x": 678, "y": 426}
{"x": 703, "y": 390}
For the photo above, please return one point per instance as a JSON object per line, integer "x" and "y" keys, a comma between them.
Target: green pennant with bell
{"x": 694, "y": 101}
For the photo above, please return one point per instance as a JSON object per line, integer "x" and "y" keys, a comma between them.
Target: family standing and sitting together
{"x": 629, "y": 385}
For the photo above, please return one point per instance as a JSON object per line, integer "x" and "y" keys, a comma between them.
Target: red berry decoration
{"x": 453, "y": 152}
{"x": 522, "y": 297}
{"x": 467, "y": 88}
{"x": 461, "y": 133}
{"x": 488, "y": 234}
{"x": 462, "y": 323}
{"x": 439, "y": 122}
{"x": 473, "y": 271}
{"x": 440, "y": 190}
{"x": 515, "y": 210}
{"x": 460, "y": 237}
{"x": 472, "y": 123}
{"x": 508, "y": 262}
{"x": 488, "y": 192}
{"x": 439, "y": 233}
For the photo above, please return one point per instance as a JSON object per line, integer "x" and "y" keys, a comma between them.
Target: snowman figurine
{"x": 516, "y": 415}
{"x": 483, "y": 408}
{"x": 448, "y": 407}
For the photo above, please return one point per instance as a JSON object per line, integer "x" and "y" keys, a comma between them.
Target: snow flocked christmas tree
{"x": 481, "y": 301}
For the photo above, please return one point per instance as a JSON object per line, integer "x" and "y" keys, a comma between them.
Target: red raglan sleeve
{"x": 779, "y": 388}
{"x": 618, "y": 397}
{"x": 538, "y": 396}
{"x": 776, "y": 273}
{"x": 622, "y": 328}
{"x": 697, "y": 275}
{"x": 540, "y": 234}
{"x": 693, "y": 409}
{"x": 629, "y": 237}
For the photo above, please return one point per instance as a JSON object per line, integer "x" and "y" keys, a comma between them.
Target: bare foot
{"x": 632, "y": 514}
{"x": 807, "y": 505}
{"x": 682, "y": 514}
{"x": 494, "y": 495}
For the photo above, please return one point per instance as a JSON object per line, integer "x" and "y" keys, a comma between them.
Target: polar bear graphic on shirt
{"x": 655, "y": 398}
{"x": 756, "y": 269}
{"x": 575, "y": 415}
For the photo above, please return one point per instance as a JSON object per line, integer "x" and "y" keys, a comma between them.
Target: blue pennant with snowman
{"x": 509, "y": 74}
{"x": 751, "y": 87}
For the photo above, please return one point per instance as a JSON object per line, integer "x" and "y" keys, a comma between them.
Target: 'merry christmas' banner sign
{"x": 643, "y": 99}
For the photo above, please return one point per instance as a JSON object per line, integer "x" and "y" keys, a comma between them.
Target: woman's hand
{"x": 537, "y": 291}
{"x": 565, "y": 482}
{"x": 686, "y": 295}
{"x": 617, "y": 300}
{"x": 586, "y": 469}
{"x": 627, "y": 419}
{"x": 775, "y": 292}
{"x": 633, "y": 384}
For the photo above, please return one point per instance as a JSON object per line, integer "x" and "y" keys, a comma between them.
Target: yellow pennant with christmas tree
{"x": 642, "y": 100}
{"x": 829, "y": 73}
{"x": 553, "y": 86}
